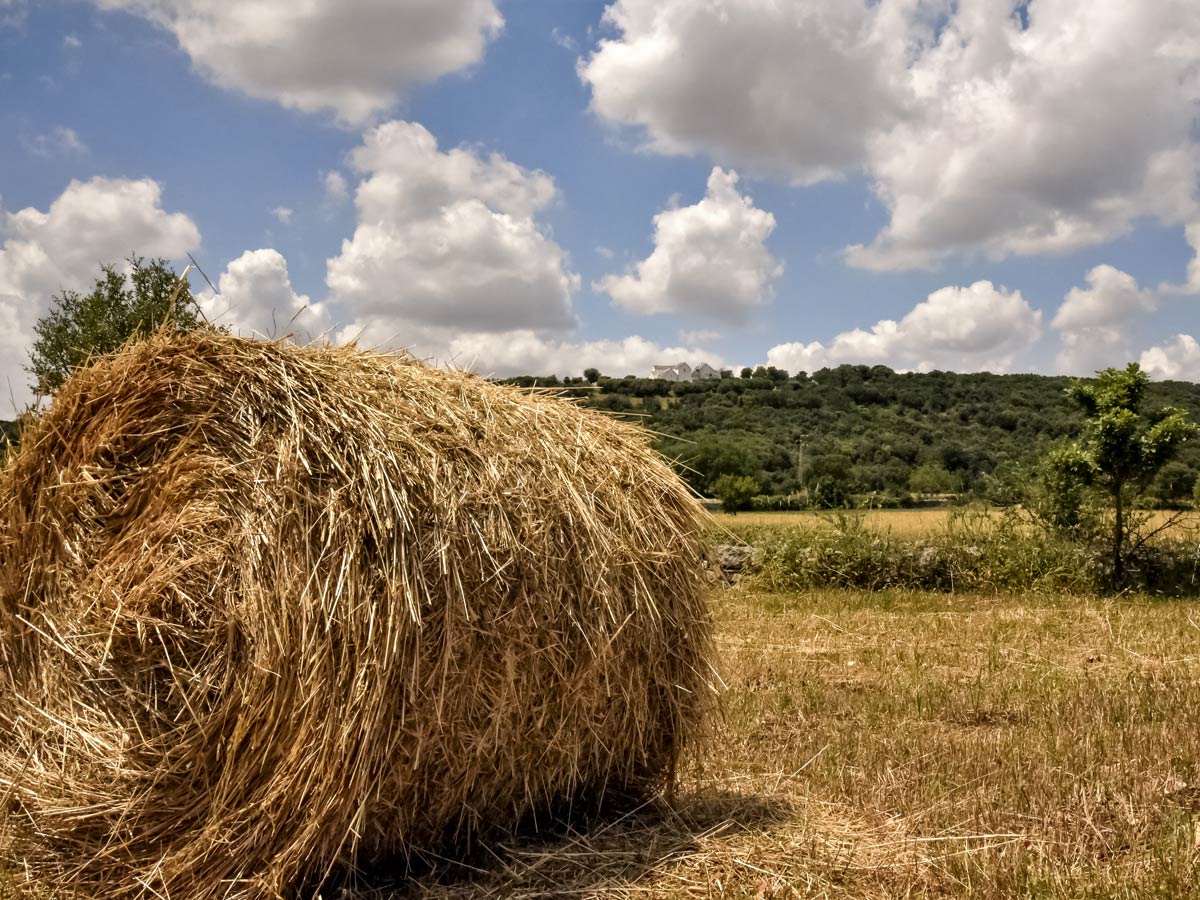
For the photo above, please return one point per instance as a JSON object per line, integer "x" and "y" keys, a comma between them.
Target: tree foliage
{"x": 865, "y": 427}
{"x": 1123, "y": 446}
{"x": 735, "y": 492}
{"x": 119, "y": 308}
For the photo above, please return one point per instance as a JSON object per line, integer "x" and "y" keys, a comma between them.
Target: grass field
{"x": 904, "y": 522}
{"x": 905, "y": 745}
{"x": 918, "y": 745}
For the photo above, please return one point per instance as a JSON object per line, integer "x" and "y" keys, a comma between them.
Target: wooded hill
{"x": 864, "y": 430}
{"x": 860, "y": 431}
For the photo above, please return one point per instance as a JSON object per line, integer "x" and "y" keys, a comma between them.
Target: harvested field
{"x": 904, "y": 522}
{"x": 905, "y": 745}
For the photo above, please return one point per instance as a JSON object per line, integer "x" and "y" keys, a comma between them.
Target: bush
{"x": 976, "y": 551}
{"x": 736, "y": 492}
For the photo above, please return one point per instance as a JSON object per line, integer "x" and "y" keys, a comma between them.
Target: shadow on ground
{"x": 609, "y": 855}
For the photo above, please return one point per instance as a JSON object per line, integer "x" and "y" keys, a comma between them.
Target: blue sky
{"x": 1018, "y": 202}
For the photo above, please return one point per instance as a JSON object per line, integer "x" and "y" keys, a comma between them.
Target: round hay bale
{"x": 271, "y": 612}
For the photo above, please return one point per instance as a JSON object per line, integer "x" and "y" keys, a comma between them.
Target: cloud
{"x": 1111, "y": 298}
{"x": 1177, "y": 360}
{"x": 526, "y": 352}
{"x": 13, "y": 13}
{"x": 1020, "y": 140}
{"x": 72, "y": 42}
{"x": 798, "y": 89}
{"x": 710, "y": 258}
{"x": 1094, "y": 323}
{"x": 974, "y": 328}
{"x": 699, "y": 337}
{"x": 1193, "y": 237}
{"x": 257, "y": 299}
{"x": 356, "y": 58}
{"x": 336, "y": 190}
{"x": 564, "y": 40}
{"x": 91, "y": 222}
{"x": 984, "y": 129}
{"x": 58, "y": 142}
{"x": 283, "y": 215}
{"x": 1192, "y": 285}
{"x": 449, "y": 239}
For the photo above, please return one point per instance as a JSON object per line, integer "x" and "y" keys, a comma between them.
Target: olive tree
{"x": 122, "y": 306}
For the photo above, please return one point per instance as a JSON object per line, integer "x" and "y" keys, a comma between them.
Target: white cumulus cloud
{"x": 353, "y": 57}
{"x": 256, "y": 299}
{"x": 1178, "y": 359}
{"x": 528, "y": 353}
{"x": 335, "y": 188}
{"x": 449, "y": 239}
{"x": 710, "y": 258}
{"x": 1095, "y": 323}
{"x": 1192, "y": 284}
{"x": 791, "y": 88}
{"x": 981, "y": 327}
{"x": 62, "y": 248}
{"x": 985, "y": 128}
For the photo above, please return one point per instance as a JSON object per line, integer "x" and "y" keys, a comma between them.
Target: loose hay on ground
{"x": 271, "y": 613}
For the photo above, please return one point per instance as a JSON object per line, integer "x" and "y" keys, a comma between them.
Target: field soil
{"x": 905, "y": 745}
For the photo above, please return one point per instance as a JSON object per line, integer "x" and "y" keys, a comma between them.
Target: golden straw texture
{"x": 271, "y": 614}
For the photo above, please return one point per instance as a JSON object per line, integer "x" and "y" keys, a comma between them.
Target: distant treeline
{"x": 858, "y": 433}
{"x": 862, "y": 433}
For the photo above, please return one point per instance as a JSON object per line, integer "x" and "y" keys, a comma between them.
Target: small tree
{"x": 592, "y": 375}
{"x": 930, "y": 478}
{"x": 1173, "y": 485}
{"x": 1123, "y": 448}
{"x": 118, "y": 309}
{"x": 735, "y": 492}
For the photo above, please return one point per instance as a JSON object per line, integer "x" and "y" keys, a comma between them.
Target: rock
{"x": 731, "y": 558}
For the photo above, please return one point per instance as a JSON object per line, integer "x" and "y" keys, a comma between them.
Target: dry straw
{"x": 271, "y": 614}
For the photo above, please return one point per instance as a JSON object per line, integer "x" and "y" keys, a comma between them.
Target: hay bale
{"x": 270, "y": 612}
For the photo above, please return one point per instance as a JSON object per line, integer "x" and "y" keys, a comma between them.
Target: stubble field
{"x": 903, "y": 745}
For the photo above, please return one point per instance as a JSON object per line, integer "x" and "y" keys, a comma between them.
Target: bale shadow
{"x": 588, "y": 855}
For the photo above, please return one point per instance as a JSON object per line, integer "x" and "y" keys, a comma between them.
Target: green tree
{"x": 735, "y": 491}
{"x": 1122, "y": 447}
{"x": 930, "y": 478}
{"x": 1058, "y": 497}
{"x": 118, "y": 309}
{"x": 1173, "y": 484}
{"x": 592, "y": 375}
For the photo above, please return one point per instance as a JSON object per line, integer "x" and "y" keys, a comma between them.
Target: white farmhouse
{"x": 683, "y": 372}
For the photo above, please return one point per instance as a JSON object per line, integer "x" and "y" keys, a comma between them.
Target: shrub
{"x": 736, "y": 492}
{"x": 975, "y": 551}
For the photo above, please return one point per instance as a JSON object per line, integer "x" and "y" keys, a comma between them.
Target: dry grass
{"x": 908, "y": 745}
{"x": 901, "y": 522}
{"x": 270, "y": 614}
{"x": 898, "y": 521}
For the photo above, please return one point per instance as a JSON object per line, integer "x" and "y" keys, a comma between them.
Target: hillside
{"x": 861, "y": 429}
{"x": 858, "y": 429}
